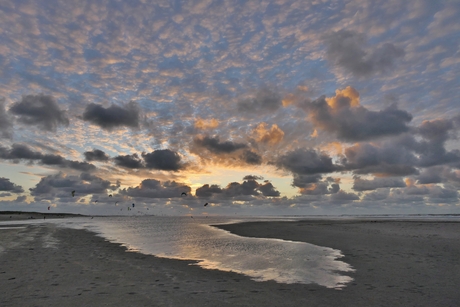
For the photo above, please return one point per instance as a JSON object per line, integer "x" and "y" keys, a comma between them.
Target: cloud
{"x": 129, "y": 161}
{"x": 367, "y": 185}
{"x": 163, "y": 159}
{"x": 151, "y": 188}
{"x": 204, "y": 124}
{"x": 22, "y": 152}
{"x": 207, "y": 190}
{"x": 251, "y": 157}
{"x": 347, "y": 49}
{"x": 6, "y": 124}
{"x": 307, "y": 162}
{"x": 328, "y": 186}
{"x": 249, "y": 187}
{"x": 7, "y": 185}
{"x": 265, "y": 101}
{"x": 253, "y": 177}
{"x": 114, "y": 116}
{"x": 40, "y": 110}
{"x": 388, "y": 158}
{"x": 271, "y": 136}
{"x": 96, "y": 155}
{"x": 302, "y": 181}
{"x": 344, "y": 116}
{"x": 61, "y": 185}
{"x": 213, "y": 144}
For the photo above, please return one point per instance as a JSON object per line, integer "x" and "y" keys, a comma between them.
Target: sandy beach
{"x": 398, "y": 263}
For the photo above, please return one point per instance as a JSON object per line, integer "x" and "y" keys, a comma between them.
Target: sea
{"x": 197, "y": 239}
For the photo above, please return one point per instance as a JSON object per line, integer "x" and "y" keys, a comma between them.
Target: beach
{"x": 397, "y": 263}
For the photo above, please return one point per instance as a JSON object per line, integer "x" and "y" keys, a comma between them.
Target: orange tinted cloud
{"x": 344, "y": 97}
{"x": 272, "y": 136}
{"x": 206, "y": 123}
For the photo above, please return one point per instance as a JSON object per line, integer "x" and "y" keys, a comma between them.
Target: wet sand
{"x": 398, "y": 263}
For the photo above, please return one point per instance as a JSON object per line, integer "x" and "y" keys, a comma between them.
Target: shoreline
{"x": 31, "y": 215}
{"x": 398, "y": 263}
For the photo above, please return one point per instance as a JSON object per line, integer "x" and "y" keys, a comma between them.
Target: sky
{"x": 282, "y": 107}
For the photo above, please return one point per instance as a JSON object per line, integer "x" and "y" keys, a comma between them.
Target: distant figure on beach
{"x": 49, "y": 207}
{"x": 205, "y": 204}
{"x": 183, "y": 194}
{"x": 73, "y": 193}
{"x": 95, "y": 201}
{"x": 110, "y": 195}
{"x": 133, "y": 205}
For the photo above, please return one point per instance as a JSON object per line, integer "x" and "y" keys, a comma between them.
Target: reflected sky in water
{"x": 213, "y": 248}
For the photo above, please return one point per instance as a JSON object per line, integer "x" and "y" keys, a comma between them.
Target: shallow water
{"x": 195, "y": 239}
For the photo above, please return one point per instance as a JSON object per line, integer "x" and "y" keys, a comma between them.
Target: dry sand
{"x": 398, "y": 263}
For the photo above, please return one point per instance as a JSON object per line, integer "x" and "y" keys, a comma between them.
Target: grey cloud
{"x": 385, "y": 182}
{"x": 61, "y": 185}
{"x": 6, "y": 124}
{"x": 129, "y": 161}
{"x": 113, "y": 116}
{"x": 40, "y": 110}
{"x": 251, "y": 157}
{"x": 96, "y": 155}
{"x": 253, "y": 177}
{"x": 208, "y": 190}
{"x": 390, "y": 158}
{"x": 163, "y": 159}
{"x": 151, "y": 188}
{"x": 328, "y": 186}
{"x": 357, "y": 123}
{"x": 377, "y": 195}
{"x": 265, "y": 101}
{"x": 23, "y": 152}
{"x": 306, "y": 162}
{"x": 302, "y": 181}
{"x": 344, "y": 197}
{"x": 347, "y": 49}
{"x": 213, "y": 144}
{"x": 431, "y": 175}
{"x": 268, "y": 189}
{"x": 7, "y": 185}
{"x": 5, "y": 194}
{"x": 249, "y": 187}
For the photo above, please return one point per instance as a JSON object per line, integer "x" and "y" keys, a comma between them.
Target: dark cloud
{"x": 96, "y": 155}
{"x": 253, "y": 177}
{"x": 384, "y": 182}
{"x": 213, "y": 144}
{"x": 7, "y": 185}
{"x": 40, "y": 110}
{"x": 328, "y": 186}
{"x": 208, "y": 190}
{"x": 249, "y": 187}
{"x": 265, "y": 101}
{"x": 356, "y": 123}
{"x": 113, "y": 116}
{"x": 129, "y": 161}
{"x": 151, "y": 188}
{"x": 61, "y": 185}
{"x": 22, "y": 152}
{"x": 163, "y": 159}
{"x": 302, "y": 181}
{"x": 343, "y": 197}
{"x": 6, "y": 124}
{"x": 251, "y": 157}
{"x": 347, "y": 49}
{"x": 431, "y": 175}
{"x": 268, "y": 189}
{"x": 306, "y": 162}
{"x": 390, "y": 158}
